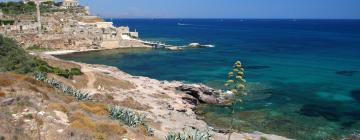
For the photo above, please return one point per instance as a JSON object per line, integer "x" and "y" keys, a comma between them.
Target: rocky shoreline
{"x": 171, "y": 102}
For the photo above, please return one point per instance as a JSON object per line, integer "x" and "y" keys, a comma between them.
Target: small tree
{"x": 236, "y": 88}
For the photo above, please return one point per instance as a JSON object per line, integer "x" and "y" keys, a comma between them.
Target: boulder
{"x": 202, "y": 93}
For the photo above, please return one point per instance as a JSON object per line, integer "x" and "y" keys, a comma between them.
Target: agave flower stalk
{"x": 235, "y": 85}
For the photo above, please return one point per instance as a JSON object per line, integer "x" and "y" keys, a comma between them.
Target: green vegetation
{"x": 17, "y": 7}
{"x": 79, "y": 95}
{"x": 60, "y": 72}
{"x": 127, "y": 116}
{"x": 6, "y": 22}
{"x": 14, "y": 58}
{"x": 36, "y": 48}
{"x": 192, "y": 134}
{"x": 149, "y": 130}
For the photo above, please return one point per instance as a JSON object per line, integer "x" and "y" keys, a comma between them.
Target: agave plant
{"x": 175, "y": 136}
{"x": 79, "y": 95}
{"x": 40, "y": 76}
{"x": 126, "y": 116}
{"x": 149, "y": 130}
{"x": 191, "y": 134}
{"x": 196, "y": 134}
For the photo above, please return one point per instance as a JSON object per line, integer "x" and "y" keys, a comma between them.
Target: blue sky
{"x": 324, "y": 9}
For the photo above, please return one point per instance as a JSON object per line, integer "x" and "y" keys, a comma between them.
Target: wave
{"x": 182, "y": 24}
{"x": 209, "y": 46}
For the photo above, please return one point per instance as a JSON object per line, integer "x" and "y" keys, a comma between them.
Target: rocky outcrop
{"x": 202, "y": 94}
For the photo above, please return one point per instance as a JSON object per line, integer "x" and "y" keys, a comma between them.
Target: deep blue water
{"x": 304, "y": 75}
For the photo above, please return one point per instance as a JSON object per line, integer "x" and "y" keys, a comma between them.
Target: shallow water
{"x": 304, "y": 76}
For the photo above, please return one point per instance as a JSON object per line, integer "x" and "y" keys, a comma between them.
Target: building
{"x": 70, "y": 3}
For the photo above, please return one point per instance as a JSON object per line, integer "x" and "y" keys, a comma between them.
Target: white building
{"x": 70, "y": 3}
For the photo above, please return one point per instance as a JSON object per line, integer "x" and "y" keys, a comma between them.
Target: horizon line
{"x": 238, "y": 18}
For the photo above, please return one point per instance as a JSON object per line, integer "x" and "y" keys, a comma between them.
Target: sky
{"x": 267, "y": 9}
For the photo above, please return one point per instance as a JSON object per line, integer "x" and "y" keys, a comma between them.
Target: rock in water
{"x": 202, "y": 93}
{"x": 346, "y": 73}
{"x": 355, "y": 94}
{"x": 330, "y": 113}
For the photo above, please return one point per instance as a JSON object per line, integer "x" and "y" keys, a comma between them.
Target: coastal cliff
{"x": 167, "y": 105}
{"x": 55, "y": 108}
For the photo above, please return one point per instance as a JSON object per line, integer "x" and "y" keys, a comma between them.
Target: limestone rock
{"x": 7, "y": 101}
{"x": 202, "y": 93}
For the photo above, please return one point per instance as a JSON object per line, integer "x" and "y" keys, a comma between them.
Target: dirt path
{"x": 90, "y": 76}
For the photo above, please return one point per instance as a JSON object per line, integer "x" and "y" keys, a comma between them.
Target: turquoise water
{"x": 304, "y": 75}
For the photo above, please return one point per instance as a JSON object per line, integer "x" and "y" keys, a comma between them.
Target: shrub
{"x": 17, "y": 7}
{"x": 60, "y": 72}
{"x": 75, "y": 71}
{"x": 14, "y": 58}
{"x": 36, "y": 48}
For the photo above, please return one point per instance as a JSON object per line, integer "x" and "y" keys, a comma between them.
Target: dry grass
{"x": 80, "y": 121}
{"x": 110, "y": 82}
{"x": 111, "y": 128}
{"x": 34, "y": 82}
{"x": 100, "y": 130}
{"x": 94, "y": 108}
{"x": 8, "y": 79}
{"x": 58, "y": 107}
{"x": 78, "y": 82}
{"x": 44, "y": 95}
{"x": 61, "y": 64}
{"x": 131, "y": 103}
{"x": 25, "y": 82}
{"x": 65, "y": 98}
{"x": 2, "y": 94}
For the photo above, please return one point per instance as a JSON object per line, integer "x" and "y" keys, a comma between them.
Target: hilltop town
{"x": 62, "y": 25}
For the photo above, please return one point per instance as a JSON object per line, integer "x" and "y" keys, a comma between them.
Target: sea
{"x": 303, "y": 76}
